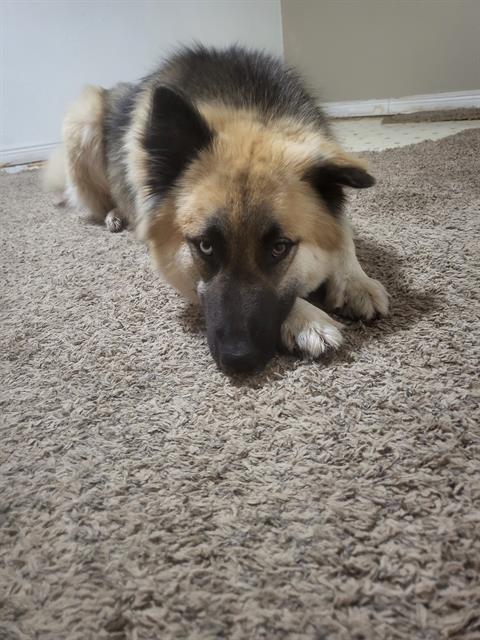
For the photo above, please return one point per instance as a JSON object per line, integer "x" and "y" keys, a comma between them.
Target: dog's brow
{"x": 214, "y": 229}
{"x": 273, "y": 231}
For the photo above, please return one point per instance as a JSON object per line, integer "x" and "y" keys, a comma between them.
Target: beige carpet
{"x": 439, "y": 115}
{"x": 145, "y": 496}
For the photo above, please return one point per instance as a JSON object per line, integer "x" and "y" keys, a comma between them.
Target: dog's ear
{"x": 328, "y": 178}
{"x": 175, "y": 133}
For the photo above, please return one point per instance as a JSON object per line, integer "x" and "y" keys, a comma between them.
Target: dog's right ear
{"x": 329, "y": 176}
{"x": 175, "y": 133}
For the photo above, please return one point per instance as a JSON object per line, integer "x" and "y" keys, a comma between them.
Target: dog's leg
{"x": 350, "y": 290}
{"x": 310, "y": 330}
{"x": 86, "y": 176}
{"x": 60, "y": 200}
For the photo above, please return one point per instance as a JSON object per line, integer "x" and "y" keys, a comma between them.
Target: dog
{"x": 227, "y": 168}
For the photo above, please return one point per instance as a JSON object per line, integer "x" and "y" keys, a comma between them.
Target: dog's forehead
{"x": 247, "y": 201}
{"x": 239, "y": 202}
{"x": 244, "y": 226}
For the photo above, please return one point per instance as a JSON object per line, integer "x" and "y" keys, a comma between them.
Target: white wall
{"x": 50, "y": 49}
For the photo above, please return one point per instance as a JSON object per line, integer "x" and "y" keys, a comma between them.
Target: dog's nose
{"x": 239, "y": 359}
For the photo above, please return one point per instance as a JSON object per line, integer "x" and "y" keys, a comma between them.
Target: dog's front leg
{"x": 310, "y": 330}
{"x": 350, "y": 290}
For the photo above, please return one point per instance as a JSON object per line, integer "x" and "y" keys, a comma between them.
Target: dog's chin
{"x": 244, "y": 372}
{"x": 252, "y": 368}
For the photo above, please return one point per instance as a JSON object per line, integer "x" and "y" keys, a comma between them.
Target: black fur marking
{"x": 243, "y": 321}
{"x": 235, "y": 77}
{"x": 213, "y": 233}
{"x": 349, "y": 176}
{"x": 266, "y": 260}
{"x": 120, "y": 104}
{"x": 176, "y": 132}
{"x": 241, "y": 78}
{"x": 273, "y": 232}
{"x": 120, "y": 107}
{"x": 329, "y": 179}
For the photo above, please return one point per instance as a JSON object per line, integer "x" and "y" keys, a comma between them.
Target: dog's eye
{"x": 205, "y": 247}
{"x": 280, "y": 249}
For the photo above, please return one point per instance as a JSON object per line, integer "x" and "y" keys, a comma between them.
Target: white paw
{"x": 60, "y": 199}
{"x": 365, "y": 298}
{"x": 310, "y": 330}
{"x": 113, "y": 221}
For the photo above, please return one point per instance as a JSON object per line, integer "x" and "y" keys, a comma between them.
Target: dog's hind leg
{"x": 86, "y": 175}
{"x": 54, "y": 176}
{"x": 114, "y": 221}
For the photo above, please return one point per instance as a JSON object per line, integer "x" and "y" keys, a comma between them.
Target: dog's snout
{"x": 239, "y": 357}
{"x": 243, "y": 323}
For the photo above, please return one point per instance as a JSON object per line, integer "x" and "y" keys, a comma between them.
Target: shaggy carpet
{"x": 145, "y": 495}
{"x": 439, "y": 115}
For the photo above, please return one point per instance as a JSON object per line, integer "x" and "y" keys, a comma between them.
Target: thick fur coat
{"x": 227, "y": 168}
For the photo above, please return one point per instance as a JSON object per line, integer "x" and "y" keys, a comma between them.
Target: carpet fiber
{"x": 439, "y": 115}
{"x": 145, "y": 495}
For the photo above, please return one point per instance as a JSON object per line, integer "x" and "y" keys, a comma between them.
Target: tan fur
{"x": 170, "y": 252}
{"x": 256, "y": 175}
{"x": 85, "y": 156}
{"x": 54, "y": 176}
{"x": 253, "y": 165}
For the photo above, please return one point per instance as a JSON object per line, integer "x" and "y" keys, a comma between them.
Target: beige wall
{"x": 361, "y": 49}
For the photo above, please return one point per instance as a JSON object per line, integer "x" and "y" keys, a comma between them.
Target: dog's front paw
{"x": 357, "y": 297}
{"x": 365, "y": 298}
{"x": 310, "y": 330}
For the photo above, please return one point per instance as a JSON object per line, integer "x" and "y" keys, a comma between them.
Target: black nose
{"x": 239, "y": 359}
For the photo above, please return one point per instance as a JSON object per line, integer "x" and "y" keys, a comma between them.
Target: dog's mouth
{"x": 243, "y": 323}
{"x": 248, "y": 362}
{"x": 239, "y": 350}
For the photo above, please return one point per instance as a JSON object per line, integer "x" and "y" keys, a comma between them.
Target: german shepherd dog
{"x": 227, "y": 168}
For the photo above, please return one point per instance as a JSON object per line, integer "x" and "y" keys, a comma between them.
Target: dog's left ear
{"x": 175, "y": 134}
{"x": 328, "y": 178}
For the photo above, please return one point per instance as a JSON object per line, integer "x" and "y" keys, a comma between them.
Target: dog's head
{"x": 244, "y": 213}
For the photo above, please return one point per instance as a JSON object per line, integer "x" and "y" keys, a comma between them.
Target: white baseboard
{"x": 408, "y": 104}
{"x": 23, "y": 155}
{"x": 348, "y": 109}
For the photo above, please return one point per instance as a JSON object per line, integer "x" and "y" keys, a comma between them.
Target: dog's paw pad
{"x": 113, "y": 222}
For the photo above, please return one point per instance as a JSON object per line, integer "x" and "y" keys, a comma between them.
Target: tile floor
{"x": 369, "y": 134}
